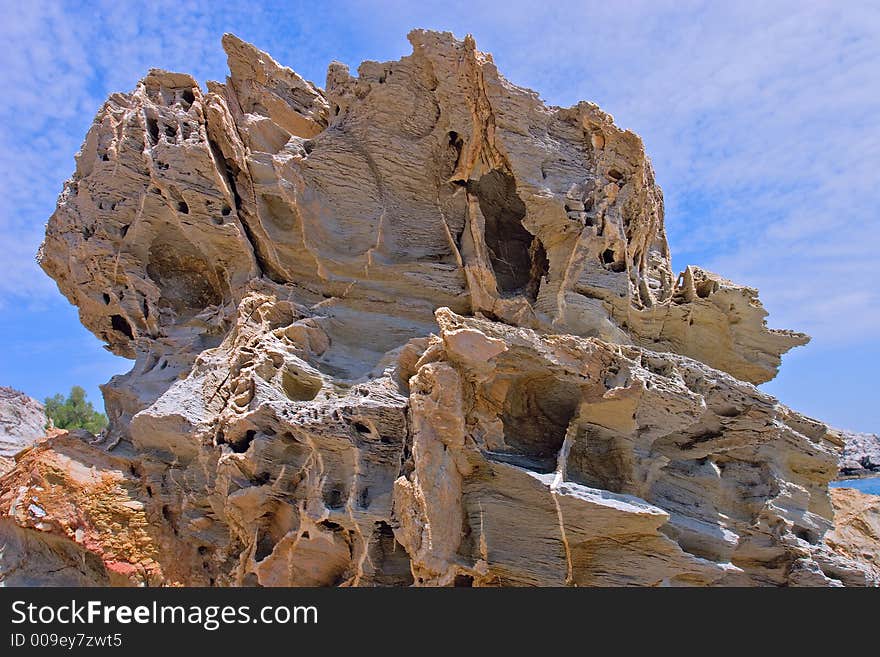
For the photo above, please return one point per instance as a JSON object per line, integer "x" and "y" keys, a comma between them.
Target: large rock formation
{"x": 22, "y": 421}
{"x": 417, "y": 327}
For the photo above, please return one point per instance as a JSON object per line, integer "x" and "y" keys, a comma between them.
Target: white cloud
{"x": 761, "y": 118}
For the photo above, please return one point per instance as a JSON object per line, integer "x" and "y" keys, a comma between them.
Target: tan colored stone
{"x": 413, "y": 328}
{"x": 856, "y": 532}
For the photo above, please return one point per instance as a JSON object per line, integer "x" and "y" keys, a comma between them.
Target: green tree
{"x": 74, "y": 412}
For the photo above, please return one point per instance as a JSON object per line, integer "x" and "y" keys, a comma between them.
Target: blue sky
{"x": 762, "y": 120}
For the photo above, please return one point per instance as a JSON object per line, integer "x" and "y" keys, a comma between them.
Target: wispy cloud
{"x": 761, "y": 118}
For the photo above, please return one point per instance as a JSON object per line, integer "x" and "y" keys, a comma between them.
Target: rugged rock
{"x": 22, "y": 421}
{"x": 856, "y": 532}
{"x": 861, "y": 454}
{"x": 416, "y": 328}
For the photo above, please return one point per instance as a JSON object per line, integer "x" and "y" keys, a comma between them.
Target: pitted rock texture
{"x": 413, "y": 328}
{"x": 22, "y": 421}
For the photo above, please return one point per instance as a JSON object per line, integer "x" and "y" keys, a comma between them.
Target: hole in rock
{"x": 182, "y": 207}
{"x": 540, "y": 268}
{"x": 507, "y": 240}
{"x": 332, "y": 526}
{"x": 265, "y": 545}
{"x": 188, "y": 96}
{"x": 361, "y": 428}
{"x": 689, "y": 442}
{"x": 705, "y": 288}
{"x": 170, "y": 131}
{"x": 614, "y": 174}
{"x": 334, "y": 499}
{"x": 123, "y": 231}
{"x": 153, "y": 130}
{"x": 299, "y": 387}
{"x": 658, "y": 366}
{"x": 455, "y": 146}
{"x": 241, "y": 445}
{"x": 251, "y": 581}
{"x": 610, "y": 261}
{"x": 462, "y": 580}
{"x": 185, "y": 279}
{"x": 120, "y": 324}
{"x": 106, "y": 298}
{"x": 600, "y": 458}
{"x": 170, "y": 517}
{"x": 805, "y": 534}
{"x": 392, "y": 564}
{"x": 535, "y": 418}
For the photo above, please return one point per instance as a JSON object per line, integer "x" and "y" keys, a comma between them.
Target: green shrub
{"x": 74, "y": 412}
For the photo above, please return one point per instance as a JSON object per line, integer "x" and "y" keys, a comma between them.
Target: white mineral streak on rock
{"x": 22, "y": 421}
{"x": 415, "y": 328}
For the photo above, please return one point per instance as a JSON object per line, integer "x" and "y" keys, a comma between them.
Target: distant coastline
{"x": 866, "y": 484}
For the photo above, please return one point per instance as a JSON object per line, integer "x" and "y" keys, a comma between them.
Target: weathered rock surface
{"x": 22, "y": 421}
{"x": 415, "y": 328}
{"x": 861, "y": 454}
{"x": 856, "y": 532}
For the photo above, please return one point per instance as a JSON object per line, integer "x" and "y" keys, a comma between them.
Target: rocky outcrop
{"x": 856, "y": 532}
{"x": 22, "y": 421}
{"x": 861, "y": 454}
{"x": 413, "y": 328}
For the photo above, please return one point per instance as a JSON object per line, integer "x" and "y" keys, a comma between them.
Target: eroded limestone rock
{"x": 413, "y": 328}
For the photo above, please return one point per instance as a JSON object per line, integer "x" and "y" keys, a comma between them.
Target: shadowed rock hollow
{"x": 413, "y": 328}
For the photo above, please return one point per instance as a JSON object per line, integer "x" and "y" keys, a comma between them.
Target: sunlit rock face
{"x": 22, "y": 421}
{"x": 413, "y": 328}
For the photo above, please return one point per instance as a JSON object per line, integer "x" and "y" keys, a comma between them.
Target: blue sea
{"x": 867, "y": 485}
